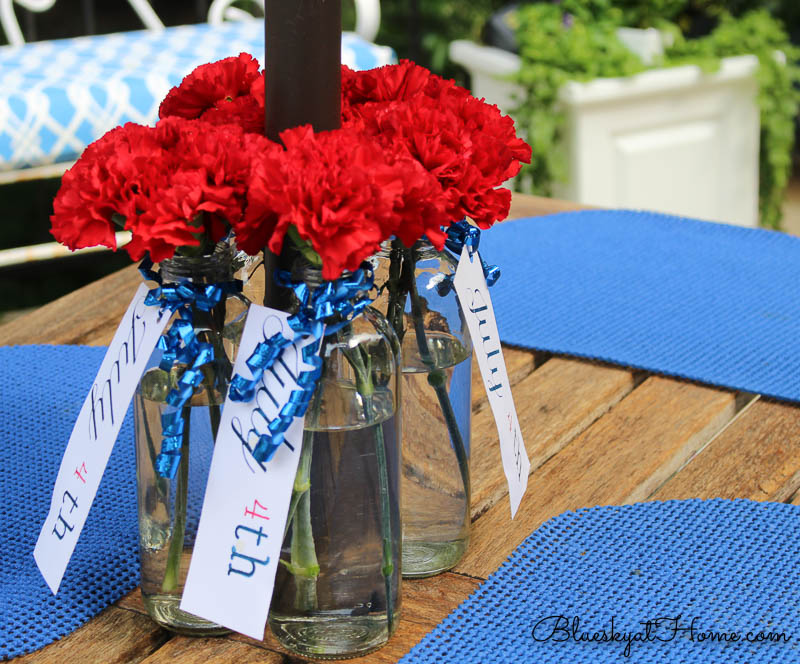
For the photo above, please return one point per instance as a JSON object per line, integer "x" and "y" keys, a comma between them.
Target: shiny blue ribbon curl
{"x": 180, "y": 345}
{"x": 463, "y": 234}
{"x": 322, "y": 311}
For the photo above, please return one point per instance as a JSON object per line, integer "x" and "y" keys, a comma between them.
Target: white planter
{"x": 673, "y": 140}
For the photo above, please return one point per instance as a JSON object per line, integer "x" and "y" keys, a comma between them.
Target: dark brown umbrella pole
{"x": 303, "y": 83}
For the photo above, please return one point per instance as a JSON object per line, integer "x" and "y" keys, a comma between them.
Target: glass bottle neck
{"x": 216, "y": 268}
{"x": 422, "y": 249}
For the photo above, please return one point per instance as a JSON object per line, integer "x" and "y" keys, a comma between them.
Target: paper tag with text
{"x": 476, "y": 304}
{"x": 246, "y": 503}
{"x": 94, "y": 435}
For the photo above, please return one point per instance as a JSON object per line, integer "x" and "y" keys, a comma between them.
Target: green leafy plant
{"x": 557, "y": 47}
{"x": 423, "y": 29}
{"x": 577, "y": 41}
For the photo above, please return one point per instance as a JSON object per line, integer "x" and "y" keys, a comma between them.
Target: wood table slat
{"x": 115, "y": 636}
{"x": 88, "y": 316}
{"x": 194, "y": 650}
{"x": 555, "y": 403}
{"x": 622, "y": 458}
{"x": 756, "y": 457}
{"x": 425, "y": 604}
{"x": 519, "y": 363}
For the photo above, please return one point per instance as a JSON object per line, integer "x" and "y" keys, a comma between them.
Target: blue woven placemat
{"x": 715, "y": 303}
{"x": 41, "y": 392}
{"x": 719, "y": 566}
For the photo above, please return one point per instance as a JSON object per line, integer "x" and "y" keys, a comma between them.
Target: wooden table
{"x": 596, "y": 435}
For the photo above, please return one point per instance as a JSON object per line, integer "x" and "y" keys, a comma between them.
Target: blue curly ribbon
{"x": 180, "y": 345}
{"x": 461, "y": 234}
{"x": 322, "y": 311}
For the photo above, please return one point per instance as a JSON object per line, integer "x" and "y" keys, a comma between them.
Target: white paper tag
{"x": 246, "y": 503}
{"x": 473, "y": 294}
{"x": 94, "y": 435}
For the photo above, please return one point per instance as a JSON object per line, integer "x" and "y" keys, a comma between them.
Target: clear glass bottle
{"x": 422, "y": 307}
{"x": 169, "y": 510}
{"x": 337, "y": 589}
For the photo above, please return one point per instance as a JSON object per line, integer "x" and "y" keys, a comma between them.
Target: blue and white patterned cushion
{"x": 56, "y": 97}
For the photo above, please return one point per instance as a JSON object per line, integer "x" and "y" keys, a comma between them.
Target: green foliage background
{"x": 424, "y": 33}
{"x": 555, "y": 49}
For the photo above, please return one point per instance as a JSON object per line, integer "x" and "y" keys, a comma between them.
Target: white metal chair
{"x": 368, "y": 15}
{"x": 58, "y": 96}
{"x": 8, "y": 19}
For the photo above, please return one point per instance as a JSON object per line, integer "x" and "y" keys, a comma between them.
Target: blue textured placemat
{"x": 710, "y": 302}
{"x": 41, "y": 391}
{"x": 731, "y": 566}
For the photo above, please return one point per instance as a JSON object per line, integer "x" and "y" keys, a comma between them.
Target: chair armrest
{"x": 368, "y": 18}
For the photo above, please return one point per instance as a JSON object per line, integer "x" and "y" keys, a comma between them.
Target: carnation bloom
{"x": 104, "y": 182}
{"x": 178, "y": 186}
{"x": 415, "y": 154}
{"x": 401, "y": 82}
{"x": 342, "y": 192}
{"x": 467, "y": 144}
{"x": 229, "y": 91}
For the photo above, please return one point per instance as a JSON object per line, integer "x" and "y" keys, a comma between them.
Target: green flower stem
{"x": 361, "y": 364}
{"x": 161, "y": 482}
{"x": 214, "y": 409}
{"x": 302, "y": 479}
{"x": 397, "y": 295}
{"x": 173, "y": 570}
{"x": 214, "y": 322}
{"x": 386, "y": 520}
{"x": 436, "y": 376}
{"x": 303, "y": 563}
{"x": 304, "y": 247}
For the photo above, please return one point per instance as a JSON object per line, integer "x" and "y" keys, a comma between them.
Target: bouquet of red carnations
{"x": 415, "y": 154}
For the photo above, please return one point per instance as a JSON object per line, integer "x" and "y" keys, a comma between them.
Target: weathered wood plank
{"x": 519, "y": 363}
{"x": 194, "y": 650}
{"x": 756, "y": 457}
{"x": 622, "y": 458}
{"x": 554, "y": 404}
{"x": 89, "y": 315}
{"x": 133, "y": 602}
{"x": 114, "y": 636}
{"x": 535, "y": 206}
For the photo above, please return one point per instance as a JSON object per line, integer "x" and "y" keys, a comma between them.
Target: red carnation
{"x": 104, "y": 182}
{"x": 179, "y": 185}
{"x": 230, "y": 91}
{"x": 339, "y": 189}
{"x": 266, "y": 180}
{"x": 467, "y": 144}
{"x": 399, "y": 82}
